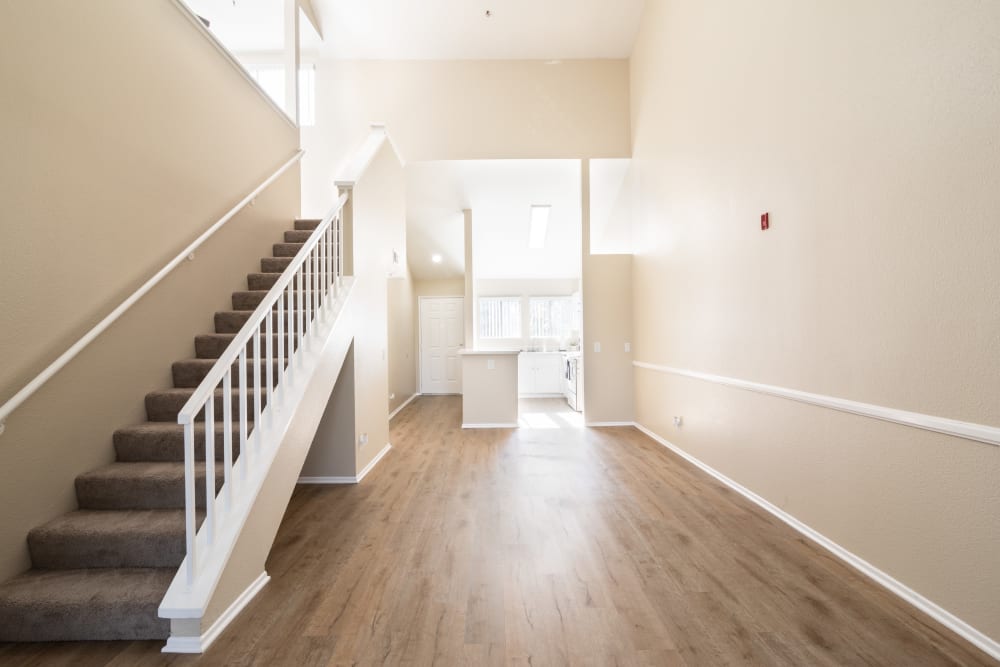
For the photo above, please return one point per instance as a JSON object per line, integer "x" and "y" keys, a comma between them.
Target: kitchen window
{"x": 551, "y": 316}
{"x": 500, "y": 317}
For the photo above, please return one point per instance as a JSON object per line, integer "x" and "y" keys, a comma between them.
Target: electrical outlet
{"x": 363, "y": 439}
{"x": 678, "y": 421}
{"x": 597, "y": 347}
{"x": 491, "y": 364}
{"x": 628, "y": 347}
{"x": 392, "y": 397}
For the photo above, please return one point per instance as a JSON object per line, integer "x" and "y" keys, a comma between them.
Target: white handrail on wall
{"x": 305, "y": 292}
{"x": 20, "y": 397}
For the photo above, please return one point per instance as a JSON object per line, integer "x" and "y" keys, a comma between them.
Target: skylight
{"x": 539, "y": 226}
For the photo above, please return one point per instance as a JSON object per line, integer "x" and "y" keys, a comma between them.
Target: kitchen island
{"x": 489, "y": 388}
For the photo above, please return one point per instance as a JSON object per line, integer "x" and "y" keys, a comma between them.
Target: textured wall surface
{"x": 125, "y": 135}
{"x": 869, "y": 132}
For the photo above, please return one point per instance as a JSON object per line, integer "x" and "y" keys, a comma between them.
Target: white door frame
{"x": 420, "y": 335}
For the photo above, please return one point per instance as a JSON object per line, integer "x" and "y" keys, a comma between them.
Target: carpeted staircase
{"x": 99, "y": 573}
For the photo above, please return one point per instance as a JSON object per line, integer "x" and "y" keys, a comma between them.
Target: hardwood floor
{"x": 548, "y": 545}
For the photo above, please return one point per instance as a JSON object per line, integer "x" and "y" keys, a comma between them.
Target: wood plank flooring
{"x": 548, "y": 545}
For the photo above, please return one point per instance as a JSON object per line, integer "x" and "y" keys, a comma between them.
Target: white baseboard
{"x": 514, "y": 425}
{"x": 328, "y": 480}
{"x": 405, "y": 403}
{"x": 347, "y": 480}
{"x": 374, "y": 462}
{"x": 608, "y": 424}
{"x": 201, "y": 644}
{"x": 938, "y": 613}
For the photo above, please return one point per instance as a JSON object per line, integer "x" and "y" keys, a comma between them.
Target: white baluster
{"x": 281, "y": 335}
{"x": 210, "y": 467}
{"x": 291, "y": 324}
{"x": 190, "y": 520}
{"x": 340, "y": 248}
{"x": 242, "y": 407}
{"x": 322, "y": 267}
{"x": 269, "y": 364}
{"x": 227, "y": 440}
{"x": 256, "y": 383}
{"x": 314, "y": 258}
{"x": 300, "y": 307}
{"x": 307, "y": 272}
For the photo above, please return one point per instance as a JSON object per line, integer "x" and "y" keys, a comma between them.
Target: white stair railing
{"x": 305, "y": 292}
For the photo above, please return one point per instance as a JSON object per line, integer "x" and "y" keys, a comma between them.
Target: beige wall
{"x": 608, "y": 390}
{"x": 454, "y": 287}
{"x": 607, "y": 319}
{"x": 402, "y": 341}
{"x": 463, "y": 110}
{"x": 117, "y": 153}
{"x": 868, "y": 132}
{"x": 379, "y": 205}
{"x": 469, "y": 280}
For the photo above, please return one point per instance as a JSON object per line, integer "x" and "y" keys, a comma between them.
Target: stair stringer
{"x": 235, "y": 570}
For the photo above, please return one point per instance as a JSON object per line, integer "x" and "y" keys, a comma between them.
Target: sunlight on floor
{"x": 548, "y": 414}
{"x": 537, "y": 420}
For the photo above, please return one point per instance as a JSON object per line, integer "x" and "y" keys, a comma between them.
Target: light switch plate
{"x": 491, "y": 364}
{"x": 597, "y": 347}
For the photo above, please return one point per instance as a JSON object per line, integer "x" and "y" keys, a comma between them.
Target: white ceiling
{"x": 459, "y": 29}
{"x": 500, "y": 194}
{"x": 436, "y": 29}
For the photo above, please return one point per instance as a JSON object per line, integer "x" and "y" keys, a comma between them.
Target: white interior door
{"x": 442, "y": 336}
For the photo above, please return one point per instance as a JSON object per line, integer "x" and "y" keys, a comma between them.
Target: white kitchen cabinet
{"x": 540, "y": 374}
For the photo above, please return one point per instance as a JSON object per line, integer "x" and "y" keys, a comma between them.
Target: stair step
{"x": 166, "y": 404}
{"x": 189, "y": 373}
{"x": 233, "y": 321}
{"x": 262, "y": 281}
{"x": 164, "y": 441}
{"x": 211, "y": 346}
{"x": 89, "y": 538}
{"x": 297, "y": 236}
{"x": 274, "y": 264}
{"x": 250, "y": 299}
{"x": 140, "y": 486}
{"x": 307, "y": 225}
{"x": 102, "y": 604}
{"x": 286, "y": 249}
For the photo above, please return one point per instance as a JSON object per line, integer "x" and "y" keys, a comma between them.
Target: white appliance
{"x": 573, "y": 380}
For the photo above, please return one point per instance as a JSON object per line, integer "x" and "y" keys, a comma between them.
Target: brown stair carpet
{"x": 100, "y": 573}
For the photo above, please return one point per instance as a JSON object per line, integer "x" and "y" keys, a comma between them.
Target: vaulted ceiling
{"x": 437, "y": 29}
{"x": 461, "y": 29}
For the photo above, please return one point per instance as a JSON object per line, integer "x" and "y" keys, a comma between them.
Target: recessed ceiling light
{"x": 539, "y": 226}
{"x": 436, "y": 258}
